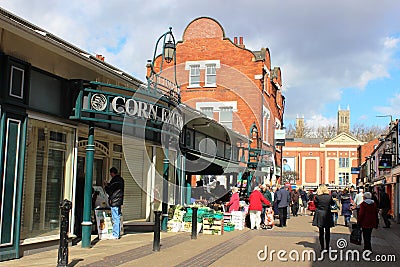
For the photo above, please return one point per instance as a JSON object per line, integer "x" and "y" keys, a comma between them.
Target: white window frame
{"x": 226, "y": 122}
{"x": 344, "y": 162}
{"x": 21, "y": 96}
{"x": 191, "y": 75}
{"x": 202, "y": 109}
{"x": 266, "y": 119}
{"x": 213, "y": 73}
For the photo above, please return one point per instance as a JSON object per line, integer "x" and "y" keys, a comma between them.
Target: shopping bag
{"x": 355, "y": 236}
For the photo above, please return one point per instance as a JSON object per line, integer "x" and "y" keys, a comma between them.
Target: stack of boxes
{"x": 238, "y": 219}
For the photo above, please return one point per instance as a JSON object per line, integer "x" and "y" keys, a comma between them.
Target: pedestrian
{"x": 345, "y": 200}
{"x": 310, "y": 204}
{"x": 115, "y": 191}
{"x": 283, "y": 201}
{"x": 233, "y": 203}
{"x": 256, "y": 199}
{"x": 358, "y": 199}
{"x": 275, "y": 206}
{"x": 367, "y": 219}
{"x": 323, "y": 216}
{"x": 304, "y": 200}
{"x": 267, "y": 194}
{"x": 294, "y": 197}
{"x": 335, "y": 210}
{"x": 384, "y": 206}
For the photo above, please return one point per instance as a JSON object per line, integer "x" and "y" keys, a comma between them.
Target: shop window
{"x": 48, "y": 173}
{"x": 194, "y": 76}
{"x": 344, "y": 178}
{"x": 17, "y": 82}
{"x": 211, "y": 75}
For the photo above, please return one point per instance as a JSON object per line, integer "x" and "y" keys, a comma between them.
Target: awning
{"x": 202, "y": 164}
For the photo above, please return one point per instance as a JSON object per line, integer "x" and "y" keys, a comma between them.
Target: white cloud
{"x": 391, "y": 42}
{"x": 392, "y": 109}
{"x": 377, "y": 71}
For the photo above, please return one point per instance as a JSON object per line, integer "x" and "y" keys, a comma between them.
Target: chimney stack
{"x": 235, "y": 40}
{"x": 241, "y": 42}
{"x": 100, "y": 57}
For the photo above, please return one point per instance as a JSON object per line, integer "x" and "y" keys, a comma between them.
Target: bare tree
{"x": 365, "y": 133}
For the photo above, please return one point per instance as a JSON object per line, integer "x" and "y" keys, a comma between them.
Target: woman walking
{"x": 256, "y": 199}
{"x": 367, "y": 219}
{"x": 323, "y": 216}
{"x": 233, "y": 203}
{"x": 345, "y": 199}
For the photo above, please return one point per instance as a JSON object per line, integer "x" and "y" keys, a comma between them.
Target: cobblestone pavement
{"x": 246, "y": 247}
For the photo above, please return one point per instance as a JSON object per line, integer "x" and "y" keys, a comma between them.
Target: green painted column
{"x": 188, "y": 192}
{"x": 164, "y": 221}
{"x": 249, "y": 179}
{"x": 87, "y": 204}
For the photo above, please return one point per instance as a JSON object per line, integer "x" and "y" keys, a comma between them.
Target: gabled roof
{"x": 344, "y": 139}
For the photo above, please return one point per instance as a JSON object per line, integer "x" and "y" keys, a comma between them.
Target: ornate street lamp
{"x": 169, "y": 51}
{"x": 168, "y": 55}
{"x": 170, "y": 90}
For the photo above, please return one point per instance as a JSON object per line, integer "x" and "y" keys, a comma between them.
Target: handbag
{"x": 355, "y": 236}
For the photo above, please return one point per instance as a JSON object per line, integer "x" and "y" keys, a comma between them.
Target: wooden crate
{"x": 217, "y": 228}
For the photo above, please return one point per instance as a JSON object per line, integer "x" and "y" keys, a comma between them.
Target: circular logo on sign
{"x": 98, "y": 102}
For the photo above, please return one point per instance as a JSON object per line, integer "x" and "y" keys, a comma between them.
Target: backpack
{"x": 334, "y": 206}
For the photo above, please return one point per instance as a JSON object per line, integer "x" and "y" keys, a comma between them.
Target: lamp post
{"x": 170, "y": 89}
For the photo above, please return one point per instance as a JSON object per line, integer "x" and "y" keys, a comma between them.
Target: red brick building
{"x": 323, "y": 162}
{"x": 230, "y": 83}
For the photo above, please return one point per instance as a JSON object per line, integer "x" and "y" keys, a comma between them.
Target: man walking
{"x": 283, "y": 200}
{"x": 115, "y": 191}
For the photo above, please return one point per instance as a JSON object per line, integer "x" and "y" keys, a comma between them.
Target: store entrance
{"x": 99, "y": 172}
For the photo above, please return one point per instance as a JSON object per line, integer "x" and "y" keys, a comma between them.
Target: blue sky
{"x": 331, "y": 53}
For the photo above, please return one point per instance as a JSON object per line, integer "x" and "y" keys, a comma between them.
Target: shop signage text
{"x": 131, "y": 107}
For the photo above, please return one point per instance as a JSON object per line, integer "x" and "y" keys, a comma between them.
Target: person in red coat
{"x": 256, "y": 199}
{"x": 367, "y": 219}
{"x": 233, "y": 203}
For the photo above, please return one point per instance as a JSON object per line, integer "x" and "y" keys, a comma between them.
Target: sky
{"x": 331, "y": 53}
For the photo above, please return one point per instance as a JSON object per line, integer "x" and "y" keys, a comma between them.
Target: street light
{"x": 170, "y": 89}
{"x": 169, "y": 51}
{"x": 155, "y": 80}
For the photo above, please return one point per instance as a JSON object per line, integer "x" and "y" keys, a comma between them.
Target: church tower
{"x": 343, "y": 120}
{"x": 300, "y": 127}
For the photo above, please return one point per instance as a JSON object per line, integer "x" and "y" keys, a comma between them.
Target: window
{"x": 343, "y": 162}
{"x": 211, "y": 73}
{"x": 48, "y": 173}
{"x": 194, "y": 75}
{"x": 225, "y": 116}
{"x": 344, "y": 178}
{"x": 208, "y": 111}
{"x": 266, "y": 117}
{"x": 17, "y": 82}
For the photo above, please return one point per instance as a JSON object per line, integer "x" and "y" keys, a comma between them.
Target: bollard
{"x": 65, "y": 207}
{"x": 157, "y": 229}
{"x": 194, "y": 223}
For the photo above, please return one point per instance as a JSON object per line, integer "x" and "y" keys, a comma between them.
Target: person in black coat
{"x": 323, "y": 216}
{"x": 115, "y": 191}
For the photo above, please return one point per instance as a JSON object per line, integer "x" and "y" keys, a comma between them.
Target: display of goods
{"x": 229, "y": 228}
{"x": 212, "y": 226}
{"x": 218, "y": 215}
{"x": 174, "y": 226}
